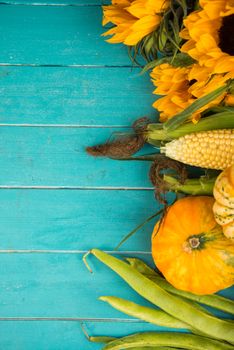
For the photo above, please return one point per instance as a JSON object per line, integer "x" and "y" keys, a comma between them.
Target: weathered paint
{"x": 63, "y": 88}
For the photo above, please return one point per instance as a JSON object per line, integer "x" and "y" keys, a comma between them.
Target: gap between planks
{"x": 78, "y": 252}
{"x": 4, "y": 64}
{"x": 104, "y": 188}
{"x": 75, "y": 126}
{"x": 17, "y": 3}
{"x": 72, "y": 319}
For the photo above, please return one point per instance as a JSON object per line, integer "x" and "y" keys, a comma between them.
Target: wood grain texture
{"x": 58, "y": 285}
{"x": 74, "y": 220}
{"x": 74, "y": 96}
{"x": 56, "y": 3}
{"x": 56, "y": 35}
{"x": 58, "y": 75}
{"x": 54, "y": 335}
{"x": 57, "y": 157}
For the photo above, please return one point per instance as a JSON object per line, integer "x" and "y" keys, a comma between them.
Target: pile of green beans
{"x": 178, "y": 310}
{"x": 179, "y": 340}
{"x": 213, "y": 300}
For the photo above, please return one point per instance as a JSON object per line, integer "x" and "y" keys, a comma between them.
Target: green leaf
{"x": 138, "y": 228}
{"x": 181, "y": 117}
{"x": 180, "y": 60}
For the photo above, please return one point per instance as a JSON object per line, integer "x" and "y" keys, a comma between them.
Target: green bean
{"x": 155, "y": 348}
{"x": 141, "y": 266}
{"x": 171, "y": 304}
{"x": 215, "y": 301}
{"x": 101, "y": 339}
{"x": 180, "y": 340}
{"x": 156, "y": 317}
{"x": 104, "y": 339}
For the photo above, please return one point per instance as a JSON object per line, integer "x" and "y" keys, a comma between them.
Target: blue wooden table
{"x": 63, "y": 88}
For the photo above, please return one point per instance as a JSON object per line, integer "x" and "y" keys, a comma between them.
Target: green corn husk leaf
{"x": 202, "y": 186}
{"x": 217, "y": 109}
{"x": 183, "y": 116}
{"x": 156, "y": 131}
{"x": 144, "y": 157}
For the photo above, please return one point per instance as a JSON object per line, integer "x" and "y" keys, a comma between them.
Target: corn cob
{"x": 212, "y": 149}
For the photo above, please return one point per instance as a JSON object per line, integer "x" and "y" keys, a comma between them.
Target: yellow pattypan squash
{"x": 189, "y": 247}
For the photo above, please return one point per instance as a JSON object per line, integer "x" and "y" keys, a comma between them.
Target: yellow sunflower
{"x": 181, "y": 86}
{"x": 209, "y": 35}
{"x": 132, "y": 19}
{"x": 173, "y": 83}
{"x": 204, "y": 81}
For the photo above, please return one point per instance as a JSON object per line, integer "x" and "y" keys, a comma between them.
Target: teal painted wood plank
{"x": 57, "y": 2}
{"x": 62, "y": 335}
{"x": 74, "y": 220}
{"x": 57, "y": 157}
{"x": 56, "y": 35}
{"x": 81, "y": 96}
{"x": 59, "y": 285}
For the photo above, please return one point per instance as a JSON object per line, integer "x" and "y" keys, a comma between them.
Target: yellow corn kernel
{"x": 212, "y": 149}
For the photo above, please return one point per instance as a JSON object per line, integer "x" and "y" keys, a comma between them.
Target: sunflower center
{"x": 226, "y": 35}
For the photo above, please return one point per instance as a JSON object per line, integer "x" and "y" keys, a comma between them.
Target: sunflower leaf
{"x": 180, "y": 60}
{"x": 183, "y": 5}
